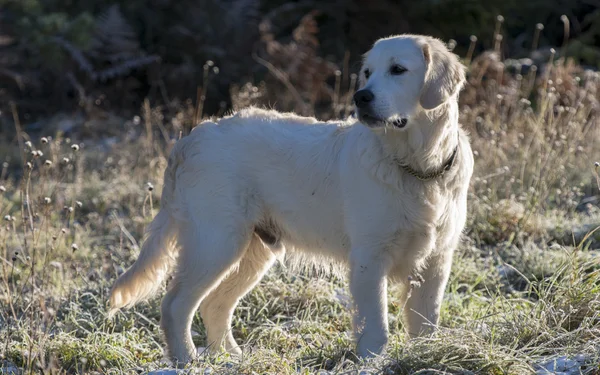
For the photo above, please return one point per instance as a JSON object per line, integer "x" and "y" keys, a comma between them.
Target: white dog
{"x": 385, "y": 194}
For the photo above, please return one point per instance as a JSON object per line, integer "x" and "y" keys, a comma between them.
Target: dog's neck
{"x": 428, "y": 142}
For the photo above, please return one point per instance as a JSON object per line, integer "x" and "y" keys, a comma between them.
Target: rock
{"x": 561, "y": 366}
{"x": 9, "y": 368}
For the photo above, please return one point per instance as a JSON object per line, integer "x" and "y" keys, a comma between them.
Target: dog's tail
{"x": 158, "y": 250}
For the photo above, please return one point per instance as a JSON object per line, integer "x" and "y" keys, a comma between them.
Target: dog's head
{"x": 405, "y": 74}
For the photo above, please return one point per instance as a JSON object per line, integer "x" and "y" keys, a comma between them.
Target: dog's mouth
{"x": 373, "y": 121}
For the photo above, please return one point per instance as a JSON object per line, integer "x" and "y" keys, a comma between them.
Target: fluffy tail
{"x": 158, "y": 251}
{"x": 149, "y": 270}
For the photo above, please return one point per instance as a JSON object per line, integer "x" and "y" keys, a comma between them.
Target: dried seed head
{"x": 39, "y": 154}
{"x": 525, "y": 102}
{"x": 2, "y": 189}
{"x": 63, "y": 230}
{"x": 473, "y": 38}
{"x": 79, "y": 204}
{"x": 44, "y": 140}
{"x": 70, "y": 209}
{"x": 149, "y": 186}
{"x": 29, "y": 165}
{"x": 28, "y": 144}
{"x": 33, "y": 154}
{"x": 7, "y": 217}
{"x": 14, "y": 259}
{"x": 47, "y": 200}
{"x": 48, "y": 163}
{"x": 54, "y": 237}
{"x": 539, "y": 26}
{"x": 65, "y": 160}
{"x": 596, "y": 164}
{"x": 75, "y": 147}
{"x": 451, "y": 44}
{"x": 499, "y": 18}
{"x": 74, "y": 247}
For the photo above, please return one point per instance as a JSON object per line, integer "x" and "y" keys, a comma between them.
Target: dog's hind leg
{"x": 218, "y": 307}
{"x": 205, "y": 257}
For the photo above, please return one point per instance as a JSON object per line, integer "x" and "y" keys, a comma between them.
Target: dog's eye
{"x": 397, "y": 70}
{"x": 367, "y": 73}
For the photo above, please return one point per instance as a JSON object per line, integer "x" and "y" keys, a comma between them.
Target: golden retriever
{"x": 384, "y": 193}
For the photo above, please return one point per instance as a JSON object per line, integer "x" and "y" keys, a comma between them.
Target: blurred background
{"x": 94, "y": 59}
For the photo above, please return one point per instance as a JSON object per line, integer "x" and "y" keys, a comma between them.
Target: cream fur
{"x": 252, "y": 186}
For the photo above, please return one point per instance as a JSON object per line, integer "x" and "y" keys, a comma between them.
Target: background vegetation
{"x": 90, "y": 56}
{"x": 94, "y": 94}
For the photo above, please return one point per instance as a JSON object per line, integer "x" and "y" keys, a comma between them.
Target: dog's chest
{"x": 424, "y": 219}
{"x": 418, "y": 205}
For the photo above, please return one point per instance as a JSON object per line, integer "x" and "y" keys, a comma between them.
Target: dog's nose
{"x": 363, "y": 97}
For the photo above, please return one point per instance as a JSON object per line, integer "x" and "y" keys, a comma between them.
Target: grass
{"x": 524, "y": 288}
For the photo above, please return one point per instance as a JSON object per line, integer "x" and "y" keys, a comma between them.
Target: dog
{"x": 384, "y": 193}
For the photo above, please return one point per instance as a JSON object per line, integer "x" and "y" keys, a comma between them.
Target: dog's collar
{"x": 435, "y": 174}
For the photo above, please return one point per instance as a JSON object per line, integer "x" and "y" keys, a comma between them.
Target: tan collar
{"x": 435, "y": 174}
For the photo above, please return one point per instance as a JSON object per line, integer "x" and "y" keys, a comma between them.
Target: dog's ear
{"x": 444, "y": 77}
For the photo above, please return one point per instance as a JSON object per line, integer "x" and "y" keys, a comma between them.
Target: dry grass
{"x": 524, "y": 287}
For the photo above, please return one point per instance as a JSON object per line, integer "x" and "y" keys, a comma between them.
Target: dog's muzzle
{"x": 400, "y": 123}
{"x": 373, "y": 121}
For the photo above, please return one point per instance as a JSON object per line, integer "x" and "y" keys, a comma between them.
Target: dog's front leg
{"x": 368, "y": 285}
{"x": 422, "y": 309}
